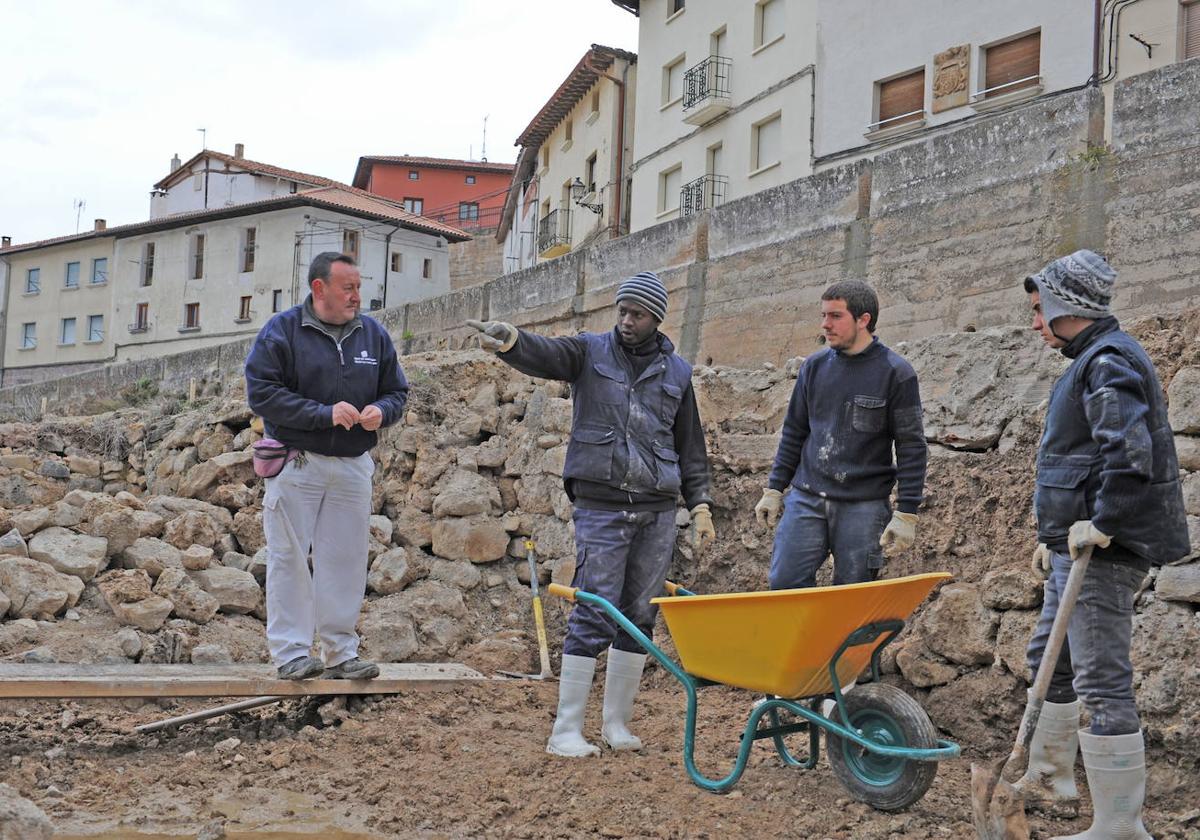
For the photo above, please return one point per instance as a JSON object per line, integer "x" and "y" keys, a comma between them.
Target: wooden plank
{"x": 60, "y": 680}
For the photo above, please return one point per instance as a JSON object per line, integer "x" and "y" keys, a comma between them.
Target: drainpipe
{"x": 1098, "y": 19}
{"x": 615, "y": 226}
{"x": 8, "y": 282}
{"x": 387, "y": 264}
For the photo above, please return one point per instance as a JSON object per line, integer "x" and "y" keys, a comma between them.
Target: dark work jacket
{"x": 1108, "y": 454}
{"x": 627, "y": 432}
{"x": 296, "y": 372}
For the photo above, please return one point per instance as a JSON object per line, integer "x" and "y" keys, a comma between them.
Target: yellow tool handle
{"x": 671, "y": 587}
{"x": 543, "y": 646}
{"x": 561, "y": 591}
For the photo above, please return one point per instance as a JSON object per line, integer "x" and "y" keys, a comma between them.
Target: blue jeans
{"x": 622, "y": 556}
{"x": 812, "y": 527}
{"x": 1094, "y": 664}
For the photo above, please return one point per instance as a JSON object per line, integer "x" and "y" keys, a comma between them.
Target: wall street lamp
{"x": 578, "y": 190}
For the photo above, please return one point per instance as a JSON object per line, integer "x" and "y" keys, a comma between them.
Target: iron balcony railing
{"x": 704, "y": 192}
{"x": 554, "y": 229}
{"x": 706, "y": 82}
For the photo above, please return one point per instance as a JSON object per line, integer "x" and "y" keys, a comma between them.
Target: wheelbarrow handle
{"x": 562, "y": 591}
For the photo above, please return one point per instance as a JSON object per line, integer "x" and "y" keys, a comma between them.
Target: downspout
{"x": 8, "y": 281}
{"x": 615, "y": 226}
{"x": 387, "y": 265}
{"x": 1096, "y": 29}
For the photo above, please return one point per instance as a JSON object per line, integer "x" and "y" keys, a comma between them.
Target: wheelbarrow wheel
{"x": 886, "y": 715}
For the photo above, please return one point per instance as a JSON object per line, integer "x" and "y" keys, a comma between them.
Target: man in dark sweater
{"x": 1107, "y": 477}
{"x": 636, "y": 445}
{"x": 853, "y": 402}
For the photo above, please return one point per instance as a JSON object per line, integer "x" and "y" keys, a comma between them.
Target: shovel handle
{"x": 1041, "y": 684}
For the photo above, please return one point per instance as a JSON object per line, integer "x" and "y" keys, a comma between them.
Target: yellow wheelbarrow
{"x": 799, "y": 647}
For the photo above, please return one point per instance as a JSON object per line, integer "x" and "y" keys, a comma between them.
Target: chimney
{"x": 5, "y": 241}
{"x": 101, "y": 224}
{"x": 239, "y": 150}
{"x": 176, "y": 162}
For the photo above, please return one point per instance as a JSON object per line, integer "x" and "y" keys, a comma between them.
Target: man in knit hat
{"x": 1107, "y": 477}
{"x": 636, "y": 446}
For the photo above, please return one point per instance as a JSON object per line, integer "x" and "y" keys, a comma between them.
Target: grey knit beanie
{"x": 1079, "y": 284}
{"x": 647, "y": 291}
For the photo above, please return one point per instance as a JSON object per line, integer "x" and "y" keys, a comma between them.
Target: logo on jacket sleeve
{"x": 363, "y": 358}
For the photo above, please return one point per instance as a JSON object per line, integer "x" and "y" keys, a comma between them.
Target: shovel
{"x": 543, "y": 648}
{"x": 999, "y": 808}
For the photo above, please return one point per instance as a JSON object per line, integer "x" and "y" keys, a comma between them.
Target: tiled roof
{"x": 578, "y": 82}
{"x": 634, "y": 6}
{"x": 362, "y": 174}
{"x": 338, "y": 197}
{"x": 257, "y": 167}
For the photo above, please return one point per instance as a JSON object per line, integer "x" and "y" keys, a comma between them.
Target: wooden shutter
{"x": 902, "y": 96}
{"x": 1191, "y": 31}
{"x": 1013, "y": 60}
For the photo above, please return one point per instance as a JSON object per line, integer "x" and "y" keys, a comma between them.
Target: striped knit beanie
{"x": 647, "y": 291}
{"x": 1080, "y": 284}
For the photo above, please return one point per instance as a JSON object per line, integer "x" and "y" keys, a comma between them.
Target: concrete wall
{"x": 476, "y": 260}
{"x": 945, "y": 229}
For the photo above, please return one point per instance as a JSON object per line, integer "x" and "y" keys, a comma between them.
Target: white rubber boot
{"x": 621, "y": 680}
{"x": 1050, "y": 777}
{"x": 574, "y": 685}
{"x": 1116, "y": 774}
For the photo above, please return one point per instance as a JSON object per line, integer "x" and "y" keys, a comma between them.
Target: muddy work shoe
{"x": 301, "y": 668}
{"x": 352, "y": 669}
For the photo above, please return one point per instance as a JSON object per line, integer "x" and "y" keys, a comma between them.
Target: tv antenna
{"x": 203, "y": 138}
{"x": 78, "y": 205}
{"x": 483, "y": 151}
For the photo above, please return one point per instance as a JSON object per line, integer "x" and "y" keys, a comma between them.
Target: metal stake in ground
{"x": 538, "y": 620}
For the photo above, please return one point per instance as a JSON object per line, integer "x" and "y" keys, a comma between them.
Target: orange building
{"x": 468, "y": 194}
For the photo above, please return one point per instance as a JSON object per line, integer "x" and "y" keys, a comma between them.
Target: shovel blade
{"x": 997, "y": 807}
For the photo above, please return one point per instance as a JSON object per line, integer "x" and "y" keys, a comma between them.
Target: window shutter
{"x": 1191, "y": 31}
{"x": 1008, "y": 62}
{"x": 902, "y": 96}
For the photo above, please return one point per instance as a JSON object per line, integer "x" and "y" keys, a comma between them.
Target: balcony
{"x": 706, "y": 90}
{"x": 554, "y": 234}
{"x": 705, "y": 192}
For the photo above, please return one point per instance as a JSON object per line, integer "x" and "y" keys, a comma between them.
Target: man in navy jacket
{"x": 324, "y": 379}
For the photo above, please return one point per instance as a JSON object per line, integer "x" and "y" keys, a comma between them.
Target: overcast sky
{"x": 99, "y": 95}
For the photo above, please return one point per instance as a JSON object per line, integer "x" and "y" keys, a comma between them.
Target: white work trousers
{"x": 323, "y": 506}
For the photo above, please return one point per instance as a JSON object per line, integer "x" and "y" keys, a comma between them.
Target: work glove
{"x": 1083, "y": 533}
{"x": 900, "y": 533}
{"x": 1041, "y": 560}
{"x": 498, "y": 336}
{"x": 768, "y": 508}
{"x": 703, "y": 532}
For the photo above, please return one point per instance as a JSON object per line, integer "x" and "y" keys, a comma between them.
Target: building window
{"x": 276, "y": 300}
{"x": 674, "y": 7}
{"x": 244, "y": 308}
{"x": 569, "y": 132}
{"x": 1013, "y": 65}
{"x": 198, "y": 181}
{"x": 397, "y": 261}
{"x": 72, "y": 279}
{"x": 901, "y": 100}
{"x": 350, "y": 243}
{"x": 768, "y": 22}
{"x": 95, "y": 328}
{"x": 414, "y": 205}
{"x": 29, "y": 335}
{"x": 545, "y": 157}
{"x": 66, "y": 333}
{"x": 766, "y": 143}
{"x": 427, "y": 269}
{"x": 100, "y": 270}
{"x": 672, "y": 81}
{"x": 33, "y": 281}
{"x": 717, "y": 42}
{"x": 414, "y": 175}
{"x": 141, "y": 318}
{"x": 1191, "y": 31}
{"x": 596, "y": 101}
{"x": 148, "y": 264}
{"x": 589, "y": 173}
{"x": 669, "y": 183}
{"x": 468, "y": 211}
{"x": 198, "y": 256}
{"x": 191, "y": 316}
{"x": 470, "y": 179}
{"x": 249, "y": 244}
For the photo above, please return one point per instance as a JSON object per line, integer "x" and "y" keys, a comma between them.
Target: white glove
{"x": 1084, "y": 533}
{"x": 768, "y": 507}
{"x": 1041, "y": 560}
{"x": 900, "y": 533}
{"x": 703, "y": 532}
{"x": 498, "y": 336}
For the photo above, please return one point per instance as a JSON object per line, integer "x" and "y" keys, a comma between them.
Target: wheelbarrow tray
{"x": 782, "y": 642}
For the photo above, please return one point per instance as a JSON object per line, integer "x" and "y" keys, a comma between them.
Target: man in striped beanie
{"x": 636, "y": 446}
{"x": 1108, "y": 482}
